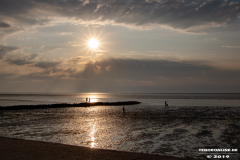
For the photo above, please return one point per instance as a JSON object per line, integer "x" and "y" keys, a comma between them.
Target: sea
{"x": 189, "y": 123}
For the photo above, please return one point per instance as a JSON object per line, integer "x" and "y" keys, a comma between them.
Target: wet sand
{"x": 16, "y": 149}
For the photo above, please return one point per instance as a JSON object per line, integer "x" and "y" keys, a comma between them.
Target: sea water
{"x": 190, "y": 122}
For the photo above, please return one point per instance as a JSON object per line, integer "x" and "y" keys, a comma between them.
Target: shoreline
{"x": 13, "y": 148}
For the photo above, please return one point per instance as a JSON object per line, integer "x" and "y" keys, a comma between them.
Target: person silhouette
{"x": 86, "y": 99}
{"x": 166, "y": 104}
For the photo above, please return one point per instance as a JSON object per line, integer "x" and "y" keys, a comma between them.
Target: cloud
{"x": 130, "y": 75}
{"x": 6, "y": 49}
{"x": 4, "y": 25}
{"x": 161, "y": 52}
{"x": 23, "y": 60}
{"x": 210, "y": 39}
{"x": 108, "y": 68}
{"x": 66, "y": 33}
{"x": 19, "y": 62}
{"x": 175, "y": 14}
{"x": 50, "y": 67}
{"x": 75, "y": 60}
{"x": 97, "y": 69}
{"x": 142, "y": 69}
{"x": 33, "y": 56}
{"x": 158, "y": 70}
{"x": 76, "y": 45}
{"x": 47, "y": 64}
{"x": 231, "y": 46}
{"x": 233, "y": 3}
{"x": 182, "y": 15}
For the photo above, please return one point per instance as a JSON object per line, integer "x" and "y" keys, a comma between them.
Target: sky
{"x": 146, "y": 46}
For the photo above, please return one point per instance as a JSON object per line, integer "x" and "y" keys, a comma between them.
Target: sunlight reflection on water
{"x": 92, "y": 135}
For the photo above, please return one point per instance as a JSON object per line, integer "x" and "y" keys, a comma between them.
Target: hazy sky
{"x": 144, "y": 46}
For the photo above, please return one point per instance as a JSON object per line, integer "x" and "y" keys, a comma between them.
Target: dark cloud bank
{"x": 128, "y": 75}
{"x": 4, "y": 25}
{"x": 181, "y": 14}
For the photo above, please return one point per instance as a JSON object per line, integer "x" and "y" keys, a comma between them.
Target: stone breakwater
{"x": 63, "y": 105}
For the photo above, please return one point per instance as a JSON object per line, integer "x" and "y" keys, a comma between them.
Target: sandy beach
{"x": 16, "y": 149}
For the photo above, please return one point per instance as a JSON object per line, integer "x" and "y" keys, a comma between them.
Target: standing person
{"x": 86, "y": 99}
{"x": 166, "y": 104}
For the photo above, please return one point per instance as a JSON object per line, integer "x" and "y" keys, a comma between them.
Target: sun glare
{"x": 93, "y": 43}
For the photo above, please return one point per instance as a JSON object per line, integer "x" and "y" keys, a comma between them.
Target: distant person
{"x": 166, "y": 105}
{"x": 86, "y": 99}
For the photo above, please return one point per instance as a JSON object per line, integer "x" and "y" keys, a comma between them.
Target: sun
{"x": 93, "y": 43}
